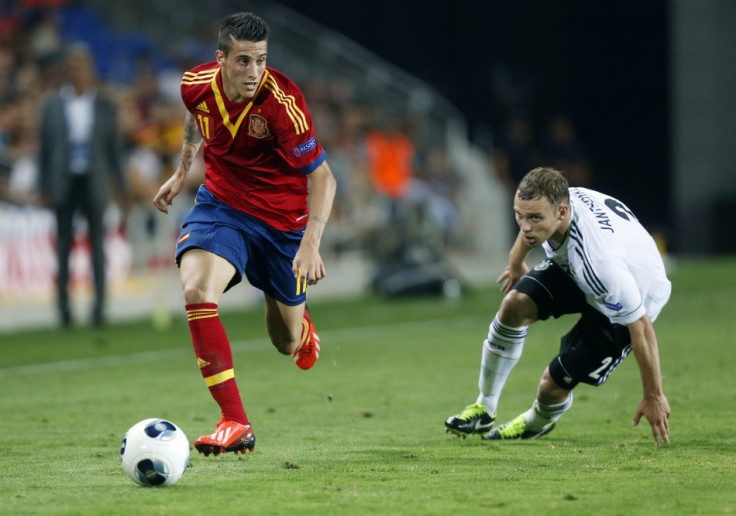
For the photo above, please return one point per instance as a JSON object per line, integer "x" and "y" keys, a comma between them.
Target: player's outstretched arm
{"x": 654, "y": 406}
{"x": 190, "y": 146}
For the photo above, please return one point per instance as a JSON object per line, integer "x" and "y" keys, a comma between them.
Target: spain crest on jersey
{"x": 257, "y": 127}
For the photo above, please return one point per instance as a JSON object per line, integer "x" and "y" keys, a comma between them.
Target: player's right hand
{"x": 170, "y": 189}
{"x": 510, "y": 275}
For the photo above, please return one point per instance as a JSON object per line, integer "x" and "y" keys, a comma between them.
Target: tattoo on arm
{"x": 192, "y": 141}
{"x": 191, "y": 130}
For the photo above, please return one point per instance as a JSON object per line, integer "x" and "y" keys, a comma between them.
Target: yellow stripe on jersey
{"x": 203, "y": 77}
{"x": 219, "y": 378}
{"x": 289, "y": 102}
{"x": 233, "y": 128}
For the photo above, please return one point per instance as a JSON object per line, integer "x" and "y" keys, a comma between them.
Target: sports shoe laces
{"x": 471, "y": 411}
{"x": 515, "y": 428}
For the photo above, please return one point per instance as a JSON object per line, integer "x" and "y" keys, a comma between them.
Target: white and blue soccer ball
{"x": 155, "y": 452}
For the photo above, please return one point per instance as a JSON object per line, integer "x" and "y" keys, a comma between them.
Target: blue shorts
{"x": 264, "y": 254}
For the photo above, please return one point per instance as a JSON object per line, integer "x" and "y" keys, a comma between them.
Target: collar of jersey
{"x": 233, "y": 128}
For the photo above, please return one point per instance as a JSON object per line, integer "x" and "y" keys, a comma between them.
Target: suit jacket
{"x": 105, "y": 160}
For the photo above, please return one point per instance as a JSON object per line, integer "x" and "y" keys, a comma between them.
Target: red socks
{"x": 215, "y": 359}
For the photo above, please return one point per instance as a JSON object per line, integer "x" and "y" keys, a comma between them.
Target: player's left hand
{"x": 657, "y": 412}
{"x": 307, "y": 265}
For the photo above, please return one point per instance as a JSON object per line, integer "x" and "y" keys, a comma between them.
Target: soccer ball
{"x": 155, "y": 452}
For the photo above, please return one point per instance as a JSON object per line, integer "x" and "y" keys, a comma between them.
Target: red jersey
{"x": 257, "y": 153}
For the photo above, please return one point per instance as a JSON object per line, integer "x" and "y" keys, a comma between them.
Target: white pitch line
{"x": 242, "y": 346}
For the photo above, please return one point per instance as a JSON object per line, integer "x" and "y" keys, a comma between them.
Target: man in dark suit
{"x": 80, "y": 153}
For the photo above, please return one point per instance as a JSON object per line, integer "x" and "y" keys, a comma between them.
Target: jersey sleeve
{"x": 293, "y": 129}
{"x": 195, "y": 82}
{"x": 619, "y": 298}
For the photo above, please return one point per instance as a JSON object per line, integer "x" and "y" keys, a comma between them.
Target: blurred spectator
{"x": 433, "y": 192}
{"x": 390, "y": 156}
{"x": 22, "y": 180}
{"x": 18, "y": 147}
{"x": 143, "y": 165}
{"x": 565, "y": 152}
{"x": 514, "y": 152}
{"x": 8, "y": 66}
{"x": 9, "y": 117}
{"x": 80, "y": 154}
{"x": 45, "y": 42}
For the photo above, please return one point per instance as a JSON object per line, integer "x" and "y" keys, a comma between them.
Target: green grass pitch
{"x": 362, "y": 433}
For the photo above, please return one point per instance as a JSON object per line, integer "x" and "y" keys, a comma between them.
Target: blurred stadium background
{"x": 647, "y": 90}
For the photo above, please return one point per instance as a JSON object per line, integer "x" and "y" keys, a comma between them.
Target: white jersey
{"x": 612, "y": 258}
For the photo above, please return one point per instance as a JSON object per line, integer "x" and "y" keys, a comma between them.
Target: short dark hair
{"x": 545, "y": 182}
{"x": 241, "y": 27}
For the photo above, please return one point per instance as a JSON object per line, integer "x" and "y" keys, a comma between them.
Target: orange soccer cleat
{"x": 307, "y": 353}
{"x": 230, "y": 436}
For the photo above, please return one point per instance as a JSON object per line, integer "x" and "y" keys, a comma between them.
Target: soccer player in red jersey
{"x": 267, "y": 196}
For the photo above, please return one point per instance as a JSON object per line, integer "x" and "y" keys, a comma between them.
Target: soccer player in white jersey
{"x": 602, "y": 264}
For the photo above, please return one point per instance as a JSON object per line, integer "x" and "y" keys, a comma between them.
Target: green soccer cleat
{"x": 473, "y": 420}
{"x": 516, "y": 429}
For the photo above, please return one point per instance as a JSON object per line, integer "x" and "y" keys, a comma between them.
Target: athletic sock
{"x": 215, "y": 359}
{"x": 501, "y": 352}
{"x": 540, "y": 414}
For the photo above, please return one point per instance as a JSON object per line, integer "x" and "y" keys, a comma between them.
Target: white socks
{"x": 501, "y": 352}
{"x": 540, "y": 414}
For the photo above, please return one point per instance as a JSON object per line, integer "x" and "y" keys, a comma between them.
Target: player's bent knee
{"x": 517, "y": 309}
{"x": 193, "y": 294}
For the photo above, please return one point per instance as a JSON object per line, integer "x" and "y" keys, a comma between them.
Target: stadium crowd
{"x": 389, "y": 176}
{"x": 151, "y": 115}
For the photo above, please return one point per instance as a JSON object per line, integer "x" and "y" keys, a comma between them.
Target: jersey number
{"x": 596, "y": 375}
{"x": 620, "y": 209}
{"x": 204, "y": 126}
